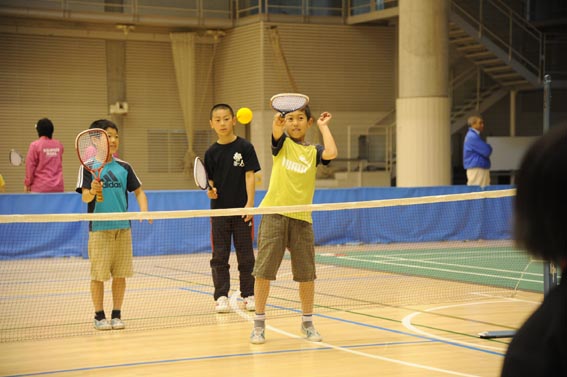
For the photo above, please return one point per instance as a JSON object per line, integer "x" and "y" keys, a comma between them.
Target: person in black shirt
{"x": 231, "y": 163}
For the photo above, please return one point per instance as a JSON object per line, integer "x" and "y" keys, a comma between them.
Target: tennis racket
{"x": 15, "y": 157}
{"x": 286, "y": 103}
{"x": 93, "y": 150}
{"x": 200, "y": 174}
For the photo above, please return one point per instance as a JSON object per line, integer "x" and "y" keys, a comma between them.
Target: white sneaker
{"x": 257, "y": 336}
{"x": 311, "y": 334}
{"x": 117, "y": 324}
{"x": 249, "y": 303}
{"x": 222, "y": 305}
{"x": 103, "y": 324}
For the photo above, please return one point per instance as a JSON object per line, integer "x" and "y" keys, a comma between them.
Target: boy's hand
{"x": 248, "y": 218}
{"x": 96, "y": 187}
{"x": 278, "y": 126}
{"x": 212, "y": 193}
{"x": 278, "y": 121}
{"x": 324, "y": 119}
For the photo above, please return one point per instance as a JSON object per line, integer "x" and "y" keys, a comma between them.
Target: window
{"x": 167, "y": 150}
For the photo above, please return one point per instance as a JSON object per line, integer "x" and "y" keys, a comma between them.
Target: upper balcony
{"x": 200, "y": 14}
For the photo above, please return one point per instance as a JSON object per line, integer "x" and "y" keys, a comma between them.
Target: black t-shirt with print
{"x": 227, "y": 165}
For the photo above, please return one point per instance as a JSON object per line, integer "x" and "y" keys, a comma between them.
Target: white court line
{"x": 471, "y": 267}
{"x": 505, "y": 298}
{"x": 241, "y": 313}
{"x": 407, "y": 322}
{"x": 437, "y": 269}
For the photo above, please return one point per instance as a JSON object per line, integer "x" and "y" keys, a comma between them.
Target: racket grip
{"x": 99, "y": 197}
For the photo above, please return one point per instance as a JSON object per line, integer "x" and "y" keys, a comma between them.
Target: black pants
{"x": 224, "y": 231}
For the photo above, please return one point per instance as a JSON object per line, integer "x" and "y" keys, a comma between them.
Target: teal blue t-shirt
{"x": 118, "y": 178}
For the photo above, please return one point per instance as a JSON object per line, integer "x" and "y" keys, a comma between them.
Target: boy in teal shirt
{"x": 110, "y": 242}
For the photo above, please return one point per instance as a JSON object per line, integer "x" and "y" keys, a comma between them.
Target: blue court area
{"x": 486, "y": 219}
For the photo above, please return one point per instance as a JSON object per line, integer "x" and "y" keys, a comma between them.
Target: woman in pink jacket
{"x": 44, "y": 161}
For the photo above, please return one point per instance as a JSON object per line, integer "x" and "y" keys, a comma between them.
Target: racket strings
{"x": 200, "y": 174}
{"x": 92, "y": 148}
{"x": 289, "y": 103}
{"x": 16, "y": 158}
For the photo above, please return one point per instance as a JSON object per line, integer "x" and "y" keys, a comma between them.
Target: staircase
{"x": 485, "y": 59}
{"x": 502, "y": 46}
{"x": 476, "y": 102}
{"x": 499, "y": 41}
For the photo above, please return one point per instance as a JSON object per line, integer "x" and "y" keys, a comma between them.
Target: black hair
{"x": 44, "y": 127}
{"x": 104, "y": 124}
{"x": 221, "y": 106}
{"x": 540, "y": 208}
{"x": 307, "y": 110}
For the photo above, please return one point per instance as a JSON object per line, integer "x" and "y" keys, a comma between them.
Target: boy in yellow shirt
{"x": 292, "y": 183}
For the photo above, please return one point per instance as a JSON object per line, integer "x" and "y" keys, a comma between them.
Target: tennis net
{"x": 369, "y": 254}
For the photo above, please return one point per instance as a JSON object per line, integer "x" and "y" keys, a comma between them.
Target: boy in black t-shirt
{"x": 231, "y": 163}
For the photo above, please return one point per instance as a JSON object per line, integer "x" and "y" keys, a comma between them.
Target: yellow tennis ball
{"x": 244, "y": 115}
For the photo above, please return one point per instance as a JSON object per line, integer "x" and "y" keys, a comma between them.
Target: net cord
{"x": 163, "y": 215}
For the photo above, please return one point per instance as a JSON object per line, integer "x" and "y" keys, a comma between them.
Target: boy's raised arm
{"x": 278, "y": 126}
{"x": 330, "y": 152}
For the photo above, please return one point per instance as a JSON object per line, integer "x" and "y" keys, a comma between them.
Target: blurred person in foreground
{"x": 539, "y": 347}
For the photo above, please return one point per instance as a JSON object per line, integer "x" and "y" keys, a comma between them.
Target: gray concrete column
{"x": 423, "y": 106}
{"x": 116, "y": 80}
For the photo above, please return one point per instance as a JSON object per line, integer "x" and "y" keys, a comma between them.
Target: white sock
{"x": 260, "y": 320}
{"x": 307, "y": 320}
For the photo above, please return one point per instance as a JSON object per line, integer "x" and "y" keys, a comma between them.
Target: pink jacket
{"x": 44, "y": 166}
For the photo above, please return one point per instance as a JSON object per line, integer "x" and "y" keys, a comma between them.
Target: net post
{"x": 549, "y": 268}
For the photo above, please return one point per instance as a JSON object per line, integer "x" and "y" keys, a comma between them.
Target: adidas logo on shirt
{"x": 110, "y": 181}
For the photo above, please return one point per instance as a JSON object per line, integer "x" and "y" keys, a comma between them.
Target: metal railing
{"x": 139, "y": 11}
{"x": 196, "y": 8}
{"x": 202, "y": 8}
{"x": 128, "y": 11}
{"x": 555, "y": 57}
{"x": 369, "y": 149}
{"x": 357, "y": 7}
{"x": 302, "y": 8}
{"x": 471, "y": 85}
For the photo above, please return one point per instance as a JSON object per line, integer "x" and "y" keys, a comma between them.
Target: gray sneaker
{"x": 103, "y": 325}
{"x": 117, "y": 324}
{"x": 311, "y": 334}
{"x": 257, "y": 336}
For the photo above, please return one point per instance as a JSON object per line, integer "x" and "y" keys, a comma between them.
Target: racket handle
{"x": 99, "y": 197}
